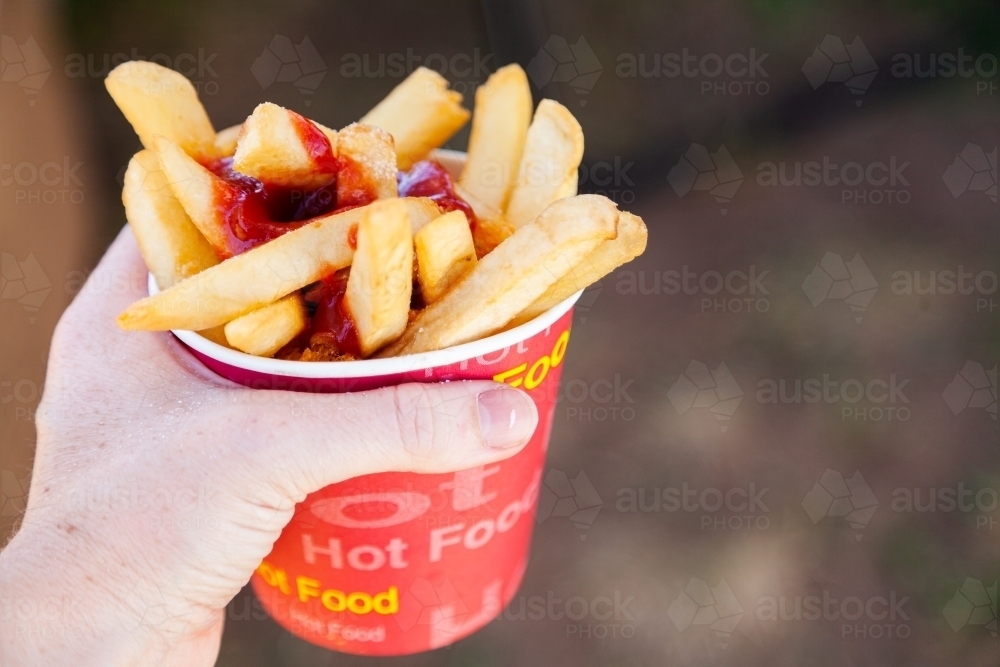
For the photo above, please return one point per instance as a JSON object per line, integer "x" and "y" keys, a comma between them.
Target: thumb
{"x": 297, "y": 443}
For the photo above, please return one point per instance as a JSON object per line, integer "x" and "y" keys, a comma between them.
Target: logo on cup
{"x": 576, "y": 499}
{"x": 700, "y": 170}
{"x": 25, "y": 282}
{"x": 836, "y": 280}
{"x": 559, "y": 62}
{"x": 406, "y": 506}
{"x": 698, "y": 387}
{"x": 23, "y": 64}
{"x": 973, "y": 604}
{"x": 834, "y": 496}
{"x": 283, "y": 62}
{"x": 973, "y": 387}
{"x": 699, "y": 604}
{"x": 833, "y": 61}
{"x": 974, "y": 170}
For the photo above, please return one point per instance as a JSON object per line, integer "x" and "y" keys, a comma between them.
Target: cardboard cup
{"x": 398, "y": 563}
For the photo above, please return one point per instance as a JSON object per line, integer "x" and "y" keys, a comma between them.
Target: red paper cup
{"x": 398, "y": 563}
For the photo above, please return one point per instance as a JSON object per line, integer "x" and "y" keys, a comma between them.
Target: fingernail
{"x": 507, "y": 418}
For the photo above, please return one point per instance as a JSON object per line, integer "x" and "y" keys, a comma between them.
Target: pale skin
{"x": 158, "y": 487}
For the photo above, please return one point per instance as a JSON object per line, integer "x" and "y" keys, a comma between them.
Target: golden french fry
{"x": 169, "y": 242}
{"x": 197, "y": 189}
{"x": 491, "y": 229}
{"x": 548, "y": 170}
{"x": 381, "y": 280}
{"x": 215, "y": 334}
{"x": 264, "y": 331}
{"x": 489, "y": 233}
{"x": 160, "y": 101}
{"x": 172, "y": 246}
{"x": 513, "y": 276}
{"x": 226, "y": 140}
{"x": 280, "y": 147}
{"x": 420, "y": 114}
{"x": 261, "y": 275}
{"x": 629, "y": 244}
{"x": 369, "y": 148}
{"x": 570, "y": 185}
{"x": 499, "y": 127}
{"x": 445, "y": 254}
{"x": 174, "y": 249}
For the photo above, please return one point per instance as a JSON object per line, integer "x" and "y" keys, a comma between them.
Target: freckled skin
{"x": 158, "y": 487}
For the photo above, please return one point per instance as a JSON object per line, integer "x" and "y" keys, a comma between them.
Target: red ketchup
{"x": 256, "y": 212}
{"x": 332, "y": 324}
{"x": 316, "y": 143}
{"x": 430, "y": 179}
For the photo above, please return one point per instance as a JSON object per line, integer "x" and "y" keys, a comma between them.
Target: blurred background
{"x": 820, "y": 185}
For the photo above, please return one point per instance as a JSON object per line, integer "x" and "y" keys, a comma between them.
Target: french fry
{"x": 160, "y": 101}
{"x": 370, "y": 149}
{"x": 197, "y": 190}
{"x": 174, "y": 249}
{"x": 420, "y": 114}
{"x": 264, "y": 331}
{"x": 261, "y": 275}
{"x": 172, "y": 246}
{"x": 538, "y": 243}
{"x": 489, "y": 233}
{"x": 381, "y": 280}
{"x": 499, "y": 127}
{"x": 491, "y": 229}
{"x": 275, "y": 147}
{"x": 629, "y": 244}
{"x": 170, "y": 243}
{"x": 513, "y": 276}
{"x": 548, "y": 170}
{"x": 226, "y": 140}
{"x": 445, "y": 254}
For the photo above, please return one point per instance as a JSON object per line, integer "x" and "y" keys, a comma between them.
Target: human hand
{"x": 159, "y": 487}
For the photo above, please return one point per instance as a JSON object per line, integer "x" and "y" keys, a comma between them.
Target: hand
{"x": 158, "y": 487}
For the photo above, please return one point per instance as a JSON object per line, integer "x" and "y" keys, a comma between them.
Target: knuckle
{"x": 420, "y": 428}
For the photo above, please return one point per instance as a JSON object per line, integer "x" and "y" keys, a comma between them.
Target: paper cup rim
{"x": 370, "y": 367}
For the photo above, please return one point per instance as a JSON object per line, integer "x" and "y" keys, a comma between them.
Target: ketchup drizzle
{"x": 430, "y": 179}
{"x": 332, "y": 324}
{"x": 256, "y": 212}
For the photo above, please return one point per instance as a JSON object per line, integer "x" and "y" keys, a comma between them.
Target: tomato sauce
{"x": 332, "y": 324}
{"x": 430, "y": 179}
{"x": 256, "y": 212}
{"x": 316, "y": 143}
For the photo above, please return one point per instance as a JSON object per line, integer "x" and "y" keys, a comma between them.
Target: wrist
{"x": 53, "y": 612}
{"x": 42, "y": 617}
